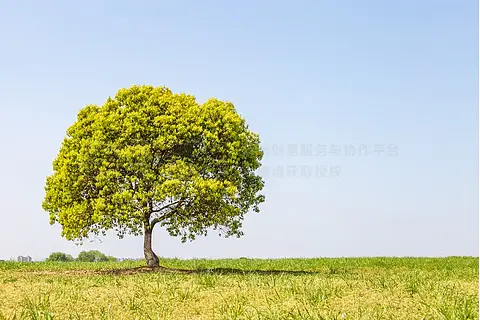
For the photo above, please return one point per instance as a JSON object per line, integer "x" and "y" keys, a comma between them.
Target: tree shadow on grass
{"x": 221, "y": 271}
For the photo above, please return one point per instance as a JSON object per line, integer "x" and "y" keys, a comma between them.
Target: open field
{"x": 353, "y": 288}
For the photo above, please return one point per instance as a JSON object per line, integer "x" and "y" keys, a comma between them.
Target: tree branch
{"x": 160, "y": 218}
{"x": 166, "y": 206}
{"x": 167, "y": 214}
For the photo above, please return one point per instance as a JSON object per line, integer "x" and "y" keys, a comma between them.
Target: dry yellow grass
{"x": 377, "y": 288}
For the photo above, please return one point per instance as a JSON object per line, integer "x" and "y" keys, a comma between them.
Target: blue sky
{"x": 332, "y": 73}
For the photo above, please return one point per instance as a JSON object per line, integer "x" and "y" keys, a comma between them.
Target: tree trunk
{"x": 150, "y": 256}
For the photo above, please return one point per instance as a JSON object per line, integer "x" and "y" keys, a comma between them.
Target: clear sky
{"x": 397, "y": 76}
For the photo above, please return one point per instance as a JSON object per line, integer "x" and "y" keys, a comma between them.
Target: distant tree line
{"x": 84, "y": 256}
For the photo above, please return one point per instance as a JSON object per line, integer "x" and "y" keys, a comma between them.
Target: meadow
{"x": 333, "y": 288}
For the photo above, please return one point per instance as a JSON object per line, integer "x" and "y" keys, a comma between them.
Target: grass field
{"x": 352, "y": 288}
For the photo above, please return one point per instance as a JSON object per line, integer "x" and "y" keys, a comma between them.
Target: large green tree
{"x": 151, "y": 157}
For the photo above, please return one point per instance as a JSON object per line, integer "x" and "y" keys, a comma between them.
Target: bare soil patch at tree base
{"x": 162, "y": 269}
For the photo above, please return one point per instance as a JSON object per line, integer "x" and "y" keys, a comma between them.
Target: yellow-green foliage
{"x": 150, "y": 156}
{"x": 376, "y": 288}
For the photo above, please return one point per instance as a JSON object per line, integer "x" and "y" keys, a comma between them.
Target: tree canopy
{"x": 59, "y": 257}
{"x": 150, "y": 157}
{"x": 94, "y": 256}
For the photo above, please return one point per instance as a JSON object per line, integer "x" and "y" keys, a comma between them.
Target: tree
{"x": 59, "y": 257}
{"x": 92, "y": 256}
{"x": 150, "y": 157}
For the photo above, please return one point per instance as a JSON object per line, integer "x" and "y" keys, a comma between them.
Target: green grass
{"x": 351, "y": 288}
